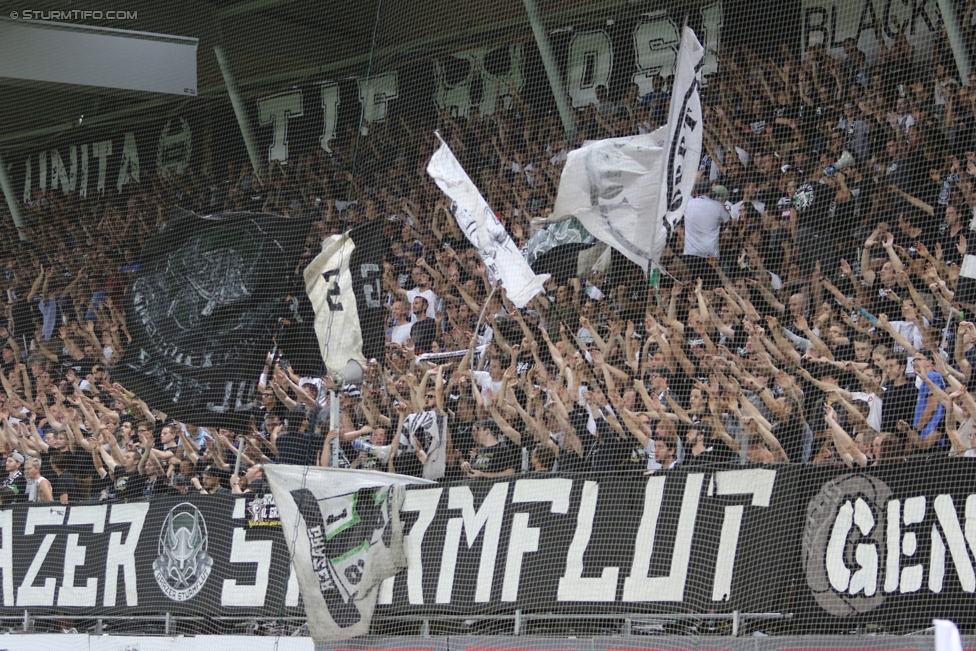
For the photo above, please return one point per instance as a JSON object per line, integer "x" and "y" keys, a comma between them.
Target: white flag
{"x": 946, "y": 636}
{"x": 685, "y": 131}
{"x": 345, "y": 537}
{"x": 483, "y": 230}
{"x": 328, "y": 283}
{"x": 613, "y": 187}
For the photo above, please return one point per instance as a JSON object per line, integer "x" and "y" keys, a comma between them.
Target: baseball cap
{"x": 351, "y": 391}
{"x": 216, "y": 471}
{"x": 720, "y": 192}
{"x": 17, "y": 456}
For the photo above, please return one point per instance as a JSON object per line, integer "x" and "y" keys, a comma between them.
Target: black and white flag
{"x": 344, "y": 285}
{"x": 203, "y": 311}
{"x": 345, "y": 536}
{"x": 685, "y": 133}
{"x": 630, "y": 192}
{"x": 482, "y": 228}
{"x": 421, "y": 431}
{"x": 613, "y": 187}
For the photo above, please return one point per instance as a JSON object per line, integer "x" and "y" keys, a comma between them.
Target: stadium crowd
{"x": 808, "y": 313}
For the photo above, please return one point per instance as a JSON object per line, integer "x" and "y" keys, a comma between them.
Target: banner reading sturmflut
{"x": 685, "y": 131}
{"x": 343, "y": 545}
{"x": 479, "y": 224}
{"x": 613, "y": 188}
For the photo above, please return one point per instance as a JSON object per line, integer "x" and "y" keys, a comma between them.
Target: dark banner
{"x": 203, "y": 310}
{"x": 676, "y": 541}
{"x": 839, "y": 549}
{"x": 91, "y": 161}
{"x": 192, "y": 555}
{"x": 891, "y": 546}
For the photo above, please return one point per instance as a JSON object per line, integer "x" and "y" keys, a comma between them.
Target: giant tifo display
{"x": 543, "y": 325}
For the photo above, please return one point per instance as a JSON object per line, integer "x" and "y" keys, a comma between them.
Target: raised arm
{"x": 843, "y": 442}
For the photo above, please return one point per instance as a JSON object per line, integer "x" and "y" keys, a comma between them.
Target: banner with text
{"x": 891, "y": 546}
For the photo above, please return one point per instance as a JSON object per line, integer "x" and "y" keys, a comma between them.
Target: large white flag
{"x": 947, "y": 636}
{"x": 328, "y": 282}
{"x": 685, "y": 131}
{"x": 613, "y": 188}
{"x": 479, "y": 224}
{"x": 345, "y": 536}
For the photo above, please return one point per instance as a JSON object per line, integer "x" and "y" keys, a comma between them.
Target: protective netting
{"x": 227, "y": 244}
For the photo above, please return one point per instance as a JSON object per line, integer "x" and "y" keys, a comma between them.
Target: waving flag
{"x": 685, "y": 133}
{"x": 204, "y": 310}
{"x": 479, "y": 224}
{"x": 613, "y": 188}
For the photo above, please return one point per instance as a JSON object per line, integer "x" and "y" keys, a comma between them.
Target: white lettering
{"x": 83, "y": 186}
{"x": 330, "y": 112}
{"x": 129, "y": 167}
{"x": 656, "y": 48}
{"x": 375, "y": 93}
{"x": 425, "y": 502}
{"x": 590, "y": 63}
{"x": 7, "y": 556}
{"x": 489, "y": 517}
{"x": 74, "y": 557}
{"x": 61, "y": 176}
{"x": 495, "y": 86}
{"x": 572, "y": 585}
{"x": 911, "y": 576}
{"x": 276, "y": 111}
{"x": 256, "y": 552}
{"x": 945, "y": 512}
{"x": 640, "y": 587}
{"x": 124, "y": 554}
{"x": 27, "y": 593}
{"x": 759, "y": 484}
{"x": 524, "y": 539}
{"x": 101, "y": 151}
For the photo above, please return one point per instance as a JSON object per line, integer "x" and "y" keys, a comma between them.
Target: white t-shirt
{"x": 735, "y": 207}
{"x": 401, "y": 333}
{"x": 483, "y": 378}
{"x": 703, "y": 223}
{"x": 433, "y": 303}
{"x": 874, "y": 408}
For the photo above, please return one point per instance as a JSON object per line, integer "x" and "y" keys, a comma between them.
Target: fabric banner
{"x": 344, "y": 285}
{"x": 203, "y": 310}
{"x": 685, "y": 133}
{"x": 132, "y": 558}
{"x": 343, "y": 545}
{"x": 482, "y": 228}
{"x": 837, "y": 549}
{"x": 613, "y": 187}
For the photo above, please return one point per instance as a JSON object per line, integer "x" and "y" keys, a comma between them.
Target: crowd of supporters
{"x": 806, "y": 315}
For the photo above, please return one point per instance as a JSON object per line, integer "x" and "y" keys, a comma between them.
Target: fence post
{"x": 735, "y": 623}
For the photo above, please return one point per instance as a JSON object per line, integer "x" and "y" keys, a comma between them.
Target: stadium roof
{"x": 273, "y": 42}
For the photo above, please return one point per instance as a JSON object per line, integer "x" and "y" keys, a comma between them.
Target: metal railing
{"x": 629, "y": 623}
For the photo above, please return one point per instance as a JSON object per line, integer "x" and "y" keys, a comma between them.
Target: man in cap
{"x": 215, "y": 480}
